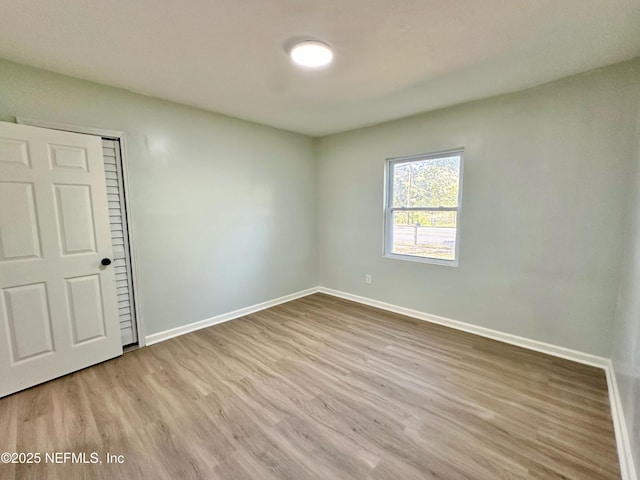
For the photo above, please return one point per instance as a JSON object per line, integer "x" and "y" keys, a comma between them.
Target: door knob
{"x": 106, "y": 261}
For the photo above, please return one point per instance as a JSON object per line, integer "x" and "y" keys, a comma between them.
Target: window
{"x": 423, "y": 207}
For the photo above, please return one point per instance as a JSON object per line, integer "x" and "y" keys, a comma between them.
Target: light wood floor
{"x": 321, "y": 388}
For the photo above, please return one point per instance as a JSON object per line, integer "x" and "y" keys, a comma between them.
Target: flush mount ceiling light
{"x": 311, "y": 54}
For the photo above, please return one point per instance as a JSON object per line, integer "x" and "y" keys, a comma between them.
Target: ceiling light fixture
{"x": 311, "y": 54}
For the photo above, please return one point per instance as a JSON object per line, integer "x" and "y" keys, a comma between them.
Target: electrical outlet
{"x": 367, "y": 279}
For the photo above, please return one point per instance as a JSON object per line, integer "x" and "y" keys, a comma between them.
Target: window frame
{"x": 389, "y": 209}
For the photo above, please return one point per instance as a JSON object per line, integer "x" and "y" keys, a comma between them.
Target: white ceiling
{"x": 393, "y": 58}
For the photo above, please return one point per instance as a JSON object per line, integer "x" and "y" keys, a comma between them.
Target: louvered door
{"x": 119, "y": 240}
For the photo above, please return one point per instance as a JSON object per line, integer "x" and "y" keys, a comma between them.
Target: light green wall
{"x": 546, "y": 177}
{"x": 626, "y": 333}
{"x": 226, "y": 212}
{"x": 222, "y": 208}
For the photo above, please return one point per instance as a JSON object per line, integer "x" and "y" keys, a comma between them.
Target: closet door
{"x": 58, "y": 308}
{"x": 120, "y": 240}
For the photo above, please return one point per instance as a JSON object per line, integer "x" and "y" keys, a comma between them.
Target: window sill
{"x": 413, "y": 258}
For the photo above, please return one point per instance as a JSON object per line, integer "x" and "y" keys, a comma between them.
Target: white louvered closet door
{"x": 119, "y": 240}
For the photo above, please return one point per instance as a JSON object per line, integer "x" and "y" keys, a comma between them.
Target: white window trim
{"x": 389, "y": 209}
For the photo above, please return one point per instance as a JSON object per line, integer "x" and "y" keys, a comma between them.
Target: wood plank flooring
{"x": 320, "y": 388}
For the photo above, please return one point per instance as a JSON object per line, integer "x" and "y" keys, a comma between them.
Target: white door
{"x": 58, "y": 310}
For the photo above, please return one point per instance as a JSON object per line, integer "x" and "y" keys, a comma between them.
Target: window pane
{"x": 425, "y": 234}
{"x": 427, "y": 183}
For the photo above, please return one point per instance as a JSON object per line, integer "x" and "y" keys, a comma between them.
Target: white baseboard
{"x": 548, "y": 348}
{"x": 555, "y": 350}
{"x": 225, "y": 317}
{"x": 625, "y": 455}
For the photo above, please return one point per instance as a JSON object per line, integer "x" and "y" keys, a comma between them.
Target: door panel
{"x": 28, "y": 319}
{"x": 64, "y": 156}
{"x": 18, "y": 224}
{"x": 58, "y": 308}
{"x": 14, "y": 152}
{"x": 75, "y": 219}
{"x": 86, "y": 308}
